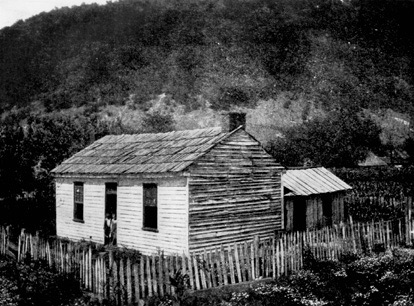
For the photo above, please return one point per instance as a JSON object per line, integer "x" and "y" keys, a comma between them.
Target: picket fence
{"x": 127, "y": 277}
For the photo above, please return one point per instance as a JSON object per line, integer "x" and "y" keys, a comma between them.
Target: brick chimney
{"x": 236, "y": 119}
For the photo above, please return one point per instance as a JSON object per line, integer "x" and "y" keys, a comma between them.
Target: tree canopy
{"x": 342, "y": 139}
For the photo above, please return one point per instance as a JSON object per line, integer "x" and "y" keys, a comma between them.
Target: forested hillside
{"x": 227, "y": 52}
{"x": 321, "y": 80}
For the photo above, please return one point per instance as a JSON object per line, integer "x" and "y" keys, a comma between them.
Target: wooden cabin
{"x": 313, "y": 198}
{"x": 178, "y": 192}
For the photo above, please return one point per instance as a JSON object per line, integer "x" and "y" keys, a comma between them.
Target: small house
{"x": 179, "y": 191}
{"x": 313, "y": 197}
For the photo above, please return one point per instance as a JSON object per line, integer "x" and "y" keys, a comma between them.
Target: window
{"x": 150, "y": 206}
{"x": 78, "y": 201}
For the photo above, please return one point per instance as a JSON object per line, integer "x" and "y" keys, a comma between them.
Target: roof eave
{"x": 120, "y": 175}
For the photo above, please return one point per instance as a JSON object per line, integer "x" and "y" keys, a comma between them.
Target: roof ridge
{"x": 169, "y": 132}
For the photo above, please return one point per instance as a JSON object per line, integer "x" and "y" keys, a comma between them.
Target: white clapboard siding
{"x": 172, "y": 235}
{"x": 93, "y": 210}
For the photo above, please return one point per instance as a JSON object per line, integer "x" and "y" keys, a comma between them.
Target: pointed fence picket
{"x": 127, "y": 278}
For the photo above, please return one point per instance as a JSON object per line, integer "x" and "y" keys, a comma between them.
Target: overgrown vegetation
{"x": 379, "y": 193}
{"x": 382, "y": 278}
{"x": 230, "y": 52}
{"x": 34, "y": 283}
{"x": 342, "y": 139}
{"x": 356, "y": 280}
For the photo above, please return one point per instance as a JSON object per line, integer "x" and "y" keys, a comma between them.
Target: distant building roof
{"x": 143, "y": 153}
{"x": 372, "y": 160}
{"x": 310, "y": 181}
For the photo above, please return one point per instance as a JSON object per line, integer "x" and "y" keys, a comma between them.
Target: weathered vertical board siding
{"x": 93, "y": 210}
{"x": 234, "y": 194}
{"x": 338, "y": 209}
{"x": 172, "y": 235}
{"x": 289, "y": 213}
{"x": 314, "y": 211}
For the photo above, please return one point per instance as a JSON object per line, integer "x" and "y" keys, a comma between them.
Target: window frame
{"x": 148, "y": 225}
{"x": 78, "y": 202}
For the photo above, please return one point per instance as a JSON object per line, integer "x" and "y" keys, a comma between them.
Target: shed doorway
{"x": 327, "y": 210}
{"x": 299, "y": 214}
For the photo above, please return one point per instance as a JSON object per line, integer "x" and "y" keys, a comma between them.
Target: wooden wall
{"x": 289, "y": 207}
{"x": 172, "y": 235}
{"x": 314, "y": 209}
{"x": 338, "y": 207}
{"x": 235, "y": 194}
{"x": 94, "y": 210}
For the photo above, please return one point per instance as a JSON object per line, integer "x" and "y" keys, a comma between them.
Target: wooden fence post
{"x": 7, "y": 237}
{"x": 20, "y": 247}
{"x": 408, "y": 223}
{"x": 237, "y": 261}
{"x": 351, "y": 224}
{"x": 136, "y": 283}
{"x": 161, "y": 278}
{"x": 129, "y": 281}
{"x": 90, "y": 279}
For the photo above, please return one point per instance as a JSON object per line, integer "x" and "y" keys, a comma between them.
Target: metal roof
{"x": 143, "y": 153}
{"x": 310, "y": 181}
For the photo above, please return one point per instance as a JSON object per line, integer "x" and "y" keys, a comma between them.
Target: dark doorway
{"x": 110, "y": 198}
{"x": 327, "y": 210}
{"x": 110, "y": 223}
{"x": 299, "y": 215}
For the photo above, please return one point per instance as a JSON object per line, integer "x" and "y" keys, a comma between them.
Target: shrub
{"x": 35, "y": 283}
{"x": 8, "y": 293}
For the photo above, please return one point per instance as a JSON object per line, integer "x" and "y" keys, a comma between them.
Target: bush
{"x": 274, "y": 294}
{"x": 35, "y": 283}
{"x": 381, "y": 279}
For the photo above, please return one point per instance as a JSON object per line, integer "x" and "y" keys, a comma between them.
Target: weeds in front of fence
{"x": 384, "y": 278}
{"x": 33, "y": 283}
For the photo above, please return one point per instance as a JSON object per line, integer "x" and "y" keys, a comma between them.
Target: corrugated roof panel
{"x": 312, "y": 181}
{"x": 298, "y": 185}
{"x": 333, "y": 180}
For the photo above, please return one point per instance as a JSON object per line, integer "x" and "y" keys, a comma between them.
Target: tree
{"x": 342, "y": 139}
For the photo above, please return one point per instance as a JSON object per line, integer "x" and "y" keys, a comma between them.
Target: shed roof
{"x": 310, "y": 181}
{"x": 142, "y": 153}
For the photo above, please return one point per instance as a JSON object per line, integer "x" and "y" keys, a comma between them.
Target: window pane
{"x": 150, "y": 217}
{"x": 78, "y": 192}
{"x": 150, "y": 195}
{"x": 150, "y": 205}
{"x": 79, "y": 211}
{"x": 78, "y": 201}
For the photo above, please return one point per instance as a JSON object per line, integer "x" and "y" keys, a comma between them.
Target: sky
{"x": 14, "y": 10}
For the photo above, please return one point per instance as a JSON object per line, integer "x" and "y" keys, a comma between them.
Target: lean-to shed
{"x": 179, "y": 192}
{"x": 313, "y": 197}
